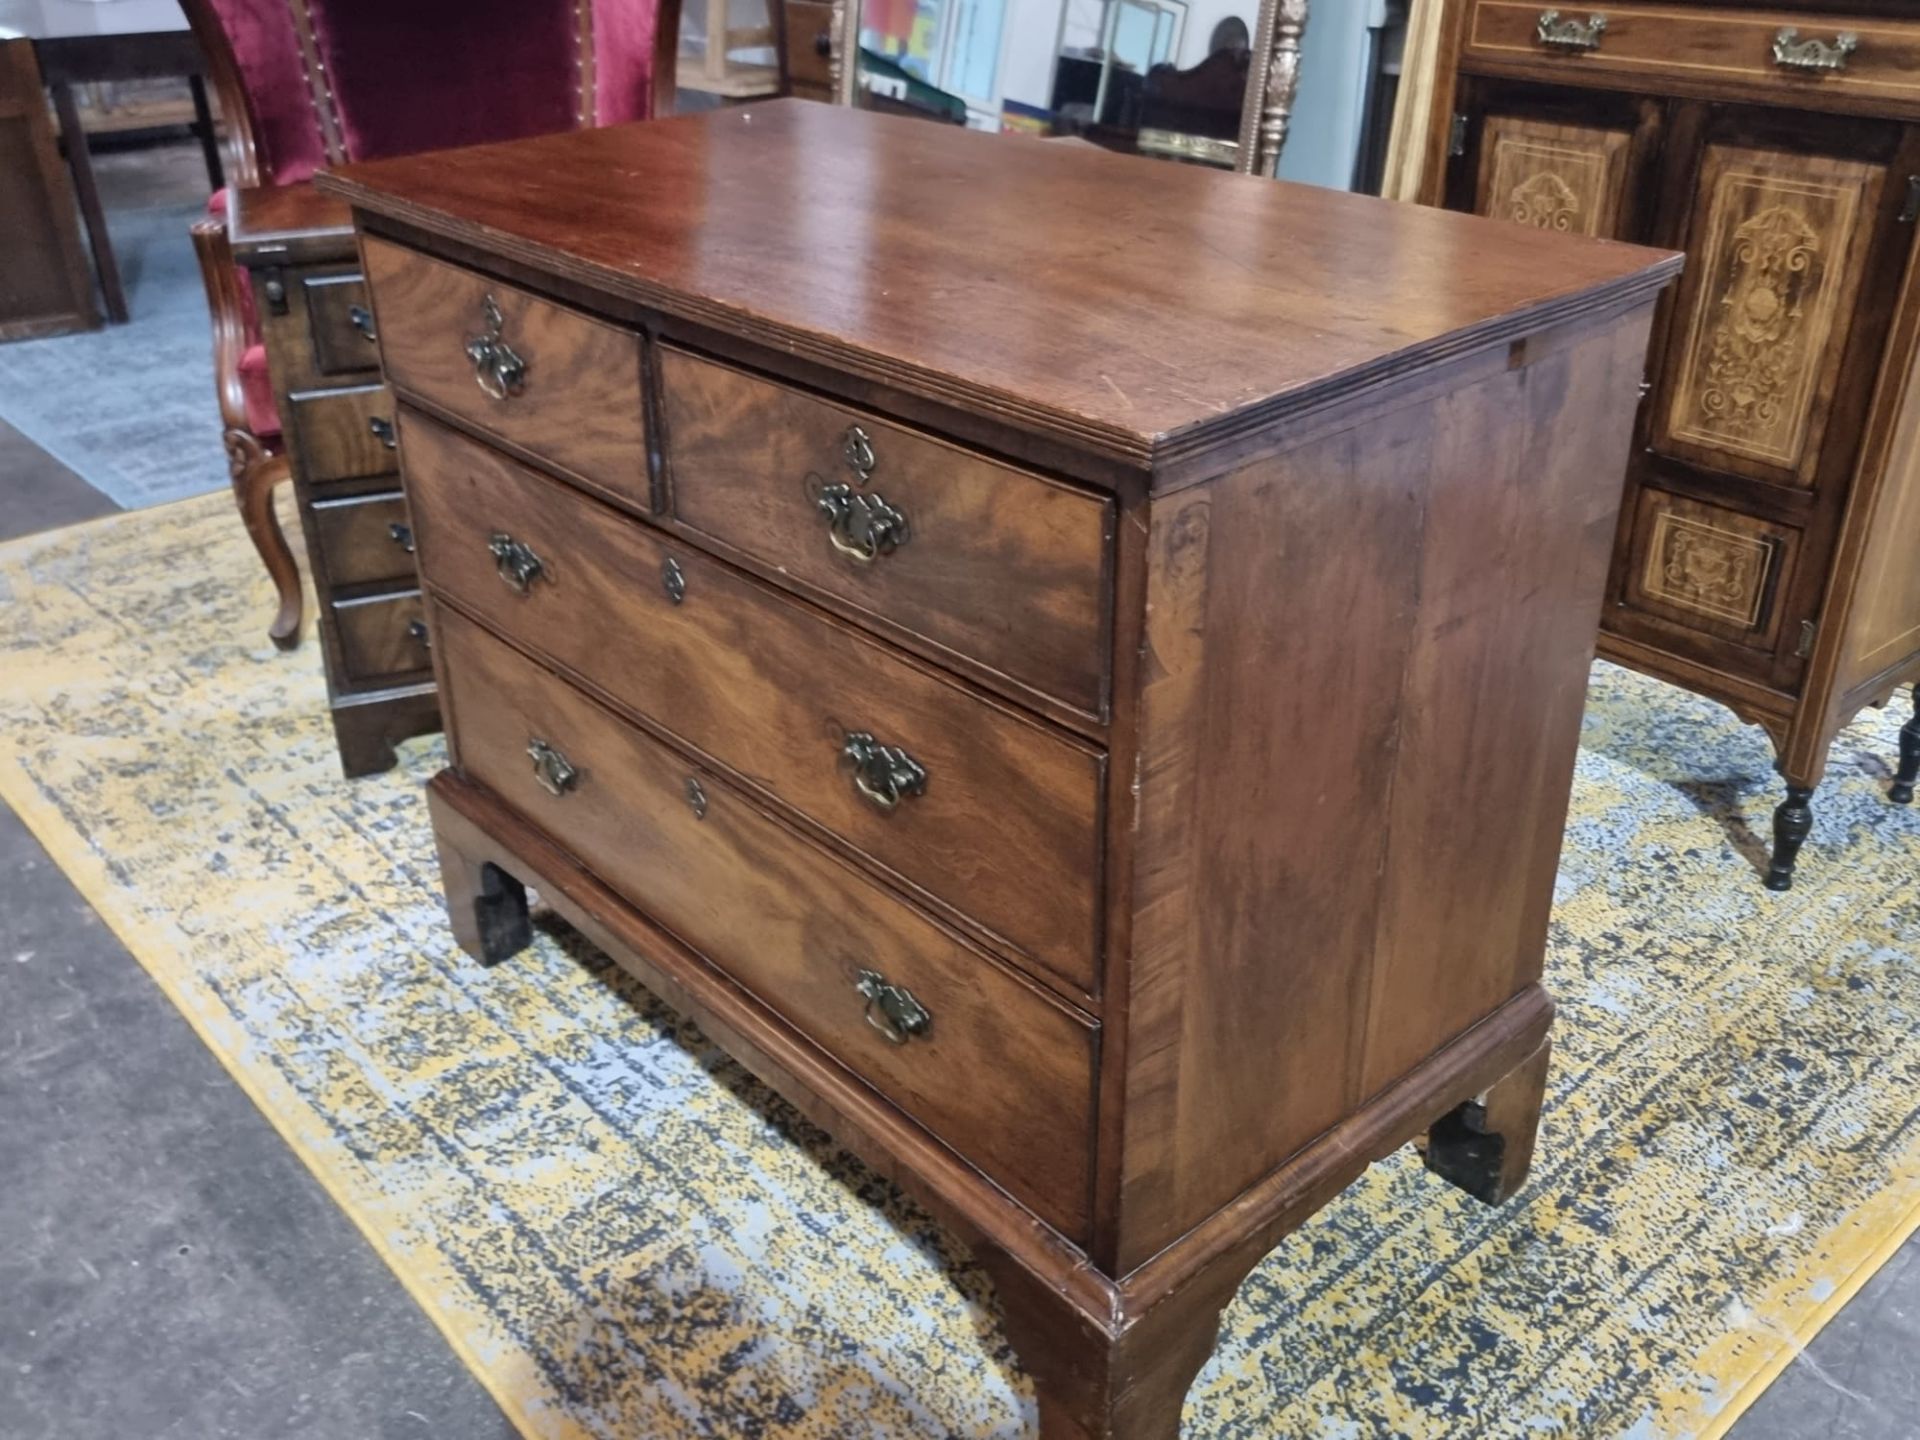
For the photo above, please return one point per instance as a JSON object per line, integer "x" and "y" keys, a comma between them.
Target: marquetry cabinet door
{"x": 1553, "y": 159}
{"x": 1763, "y": 370}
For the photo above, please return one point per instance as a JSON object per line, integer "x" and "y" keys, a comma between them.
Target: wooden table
{"x": 44, "y": 285}
{"x": 1088, "y": 717}
{"x": 70, "y": 60}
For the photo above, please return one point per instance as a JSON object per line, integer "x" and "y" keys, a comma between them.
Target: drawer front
{"x": 364, "y": 539}
{"x": 1000, "y": 1071}
{"x": 1737, "y": 50}
{"x": 996, "y": 565}
{"x": 341, "y": 323}
{"x": 338, "y": 435}
{"x": 1003, "y": 823}
{"x": 563, "y": 387}
{"x": 383, "y": 638}
{"x": 809, "y": 42}
{"x": 1713, "y": 570}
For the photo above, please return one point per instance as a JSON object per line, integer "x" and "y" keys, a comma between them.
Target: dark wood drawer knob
{"x": 361, "y": 319}
{"x": 384, "y": 432}
{"x": 883, "y": 774}
{"x": 891, "y": 1009}
{"x": 497, "y": 369}
{"x": 557, "y": 774}
{"x": 515, "y": 562}
{"x": 1570, "y": 34}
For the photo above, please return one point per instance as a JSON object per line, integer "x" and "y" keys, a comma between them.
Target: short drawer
{"x": 1713, "y": 570}
{"x": 344, "y": 434}
{"x": 999, "y": 1070}
{"x": 981, "y": 560}
{"x": 810, "y": 44}
{"x": 364, "y": 539}
{"x": 382, "y": 638}
{"x": 340, "y": 323}
{"x": 982, "y": 809}
{"x": 560, "y": 385}
{"x": 1796, "y": 53}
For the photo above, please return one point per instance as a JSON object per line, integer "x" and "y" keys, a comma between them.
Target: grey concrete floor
{"x": 170, "y": 1271}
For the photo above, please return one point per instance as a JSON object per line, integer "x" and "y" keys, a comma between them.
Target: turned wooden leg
{"x": 255, "y": 473}
{"x": 1486, "y": 1145}
{"x": 1902, "y": 791}
{"x": 487, "y": 906}
{"x": 1792, "y": 823}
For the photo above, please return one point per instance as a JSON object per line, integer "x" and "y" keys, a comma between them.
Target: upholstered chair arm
{"x": 224, "y": 306}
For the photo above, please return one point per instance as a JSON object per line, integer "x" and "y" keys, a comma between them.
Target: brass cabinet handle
{"x": 496, "y": 367}
{"x": 361, "y": 319}
{"x": 883, "y": 774}
{"x": 891, "y": 1009}
{"x": 401, "y": 535}
{"x": 515, "y": 562}
{"x": 418, "y": 633}
{"x": 556, "y": 774}
{"x": 1570, "y": 34}
{"x": 384, "y": 432}
{"x": 864, "y": 527}
{"x": 1790, "y": 52}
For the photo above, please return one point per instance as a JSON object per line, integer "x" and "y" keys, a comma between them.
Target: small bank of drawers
{"x": 695, "y": 705}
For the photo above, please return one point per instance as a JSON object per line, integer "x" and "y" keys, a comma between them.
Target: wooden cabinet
{"x": 1781, "y": 151}
{"x": 338, "y": 427}
{"x": 45, "y": 285}
{"x": 1105, "y": 766}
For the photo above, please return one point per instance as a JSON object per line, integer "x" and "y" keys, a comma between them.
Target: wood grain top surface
{"x": 1140, "y": 308}
{"x": 286, "y": 222}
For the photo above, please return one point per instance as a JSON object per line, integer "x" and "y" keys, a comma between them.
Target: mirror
{"x": 1208, "y": 82}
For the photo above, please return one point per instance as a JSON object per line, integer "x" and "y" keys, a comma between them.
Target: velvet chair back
{"x": 318, "y": 82}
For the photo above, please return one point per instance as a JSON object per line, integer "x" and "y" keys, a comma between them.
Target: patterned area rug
{"x": 628, "y": 1239}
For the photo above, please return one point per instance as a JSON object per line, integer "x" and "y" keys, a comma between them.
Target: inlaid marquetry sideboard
{"x": 299, "y": 253}
{"x": 1087, "y": 715}
{"x": 1765, "y": 556}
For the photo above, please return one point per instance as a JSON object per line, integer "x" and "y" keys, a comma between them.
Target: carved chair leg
{"x": 1485, "y": 1146}
{"x": 255, "y": 474}
{"x": 487, "y": 906}
{"x": 1792, "y": 823}
{"x": 1902, "y": 791}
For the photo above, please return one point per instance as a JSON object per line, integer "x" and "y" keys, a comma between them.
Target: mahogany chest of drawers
{"x": 1765, "y": 550}
{"x": 337, "y": 425}
{"x": 1086, "y": 714}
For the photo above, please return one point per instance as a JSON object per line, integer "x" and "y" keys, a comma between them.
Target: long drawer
{"x": 1796, "y": 55}
{"x": 983, "y": 1059}
{"x": 561, "y": 385}
{"x": 994, "y": 814}
{"x": 980, "y": 559}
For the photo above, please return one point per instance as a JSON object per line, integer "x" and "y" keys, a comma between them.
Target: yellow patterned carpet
{"x": 626, "y": 1237}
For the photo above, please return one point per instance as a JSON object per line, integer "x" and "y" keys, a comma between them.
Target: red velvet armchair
{"x": 309, "y": 83}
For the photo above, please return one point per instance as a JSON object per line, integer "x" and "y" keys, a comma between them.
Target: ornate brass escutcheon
{"x": 556, "y": 774}
{"x": 891, "y": 1009}
{"x": 883, "y": 774}
{"x": 1570, "y": 34}
{"x": 1790, "y": 52}
{"x": 864, "y": 527}
{"x": 857, "y": 451}
{"x": 496, "y": 367}
{"x": 515, "y": 562}
{"x": 673, "y": 580}
{"x": 382, "y": 430}
{"x": 696, "y": 797}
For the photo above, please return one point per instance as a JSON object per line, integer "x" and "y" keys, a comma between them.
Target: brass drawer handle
{"x": 1570, "y": 34}
{"x": 361, "y": 319}
{"x": 883, "y": 774}
{"x": 864, "y": 527}
{"x": 515, "y": 562}
{"x": 383, "y": 431}
{"x": 418, "y": 633}
{"x": 496, "y": 367}
{"x": 1790, "y": 52}
{"x": 556, "y": 774}
{"x": 401, "y": 535}
{"x": 891, "y": 1009}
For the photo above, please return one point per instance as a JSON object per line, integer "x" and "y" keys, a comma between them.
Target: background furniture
{"x": 1765, "y": 551}
{"x": 44, "y": 285}
{"x": 304, "y": 83}
{"x": 1107, "y": 767}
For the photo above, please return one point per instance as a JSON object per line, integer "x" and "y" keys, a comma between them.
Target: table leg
{"x": 203, "y": 127}
{"x": 81, "y": 163}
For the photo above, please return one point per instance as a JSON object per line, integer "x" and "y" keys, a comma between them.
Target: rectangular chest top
{"x": 1140, "y": 310}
